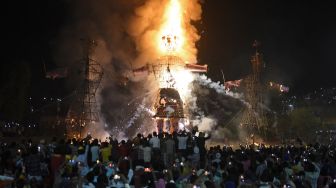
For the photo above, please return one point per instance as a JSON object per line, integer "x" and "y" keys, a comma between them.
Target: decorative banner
{"x": 196, "y": 68}
{"x": 231, "y": 84}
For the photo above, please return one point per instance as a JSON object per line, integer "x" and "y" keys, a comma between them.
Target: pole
{"x": 223, "y": 78}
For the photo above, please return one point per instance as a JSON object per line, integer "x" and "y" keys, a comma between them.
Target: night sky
{"x": 298, "y": 40}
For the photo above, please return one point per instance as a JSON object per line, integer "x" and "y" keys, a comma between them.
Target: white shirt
{"x": 83, "y": 157}
{"x": 94, "y": 153}
{"x": 147, "y": 153}
{"x": 182, "y": 142}
{"x": 155, "y": 142}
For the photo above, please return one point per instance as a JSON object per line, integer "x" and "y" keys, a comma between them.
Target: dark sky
{"x": 298, "y": 39}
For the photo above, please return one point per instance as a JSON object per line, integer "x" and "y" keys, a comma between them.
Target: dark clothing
{"x": 33, "y": 165}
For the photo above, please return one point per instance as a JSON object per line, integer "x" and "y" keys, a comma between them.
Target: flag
{"x": 233, "y": 83}
{"x": 196, "y": 68}
{"x": 57, "y": 73}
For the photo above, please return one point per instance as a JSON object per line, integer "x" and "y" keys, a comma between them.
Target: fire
{"x": 183, "y": 85}
{"x": 171, "y": 39}
{"x": 179, "y": 79}
{"x": 171, "y": 33}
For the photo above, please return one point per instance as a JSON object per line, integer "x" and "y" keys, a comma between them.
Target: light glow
{"x": 181, "y": 80}
{"x": 171, "y": 34}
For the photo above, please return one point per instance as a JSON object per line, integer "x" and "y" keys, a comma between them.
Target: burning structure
{"x": 172, "y": 73}
{"x": 159, "y": 39}
{"x": 169, "y": 105}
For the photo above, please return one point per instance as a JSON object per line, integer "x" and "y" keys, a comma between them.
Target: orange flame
{"x": 171, "y": 34}
{"x": 176, "y": 36}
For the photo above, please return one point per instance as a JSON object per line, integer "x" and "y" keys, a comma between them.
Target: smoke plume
{"x": 213, "y": 109}
{"x": 127, "y": 36}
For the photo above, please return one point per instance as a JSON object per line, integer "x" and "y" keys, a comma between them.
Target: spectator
{"x": 155, "y": 143}
{"x": 169, "y": 151}
{"x": 32, "y": 164}
{"x": 94, "y": 150}
{"x": 105, "y": 152}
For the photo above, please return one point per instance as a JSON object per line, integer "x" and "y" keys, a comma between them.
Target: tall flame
{"x": 171, "y": 33}
{"x": 172, "y": 41}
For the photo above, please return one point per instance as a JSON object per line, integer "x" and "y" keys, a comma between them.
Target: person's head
{"x": 74, "y": 141}
{"x": 81, "y": 150}
{"x": 154, "y": 133}
{"x": 95, "y": 142}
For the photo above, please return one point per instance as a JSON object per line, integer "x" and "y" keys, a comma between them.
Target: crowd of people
{"x": 164, "y": 160}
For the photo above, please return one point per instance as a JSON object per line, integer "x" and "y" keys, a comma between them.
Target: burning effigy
{"x": 172, "y": 73}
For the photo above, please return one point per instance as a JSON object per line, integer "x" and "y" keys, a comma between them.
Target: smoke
{"x": 219, "y": 88}
{"x": 205, "y": 124}
{"x": 214, "y": 110}
{"x": 219, "y": 112}
{"x": 126, "y": 33}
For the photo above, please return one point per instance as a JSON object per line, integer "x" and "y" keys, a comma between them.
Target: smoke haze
{"x": 126, "y": 33}
{"x": 127, "y": 37}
